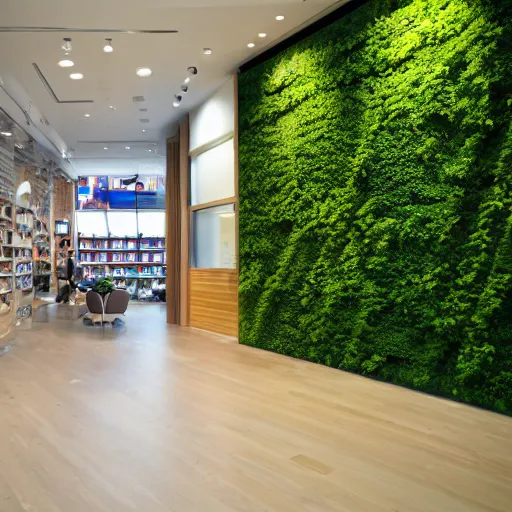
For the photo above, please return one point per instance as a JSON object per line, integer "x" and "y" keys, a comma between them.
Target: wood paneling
{"x": 184, "y": 135}
{"x": 62, "y": 200}
{"x": 214, "y": 300}
{"x": 213, "y": 204}
{"x": 173, "y": 234}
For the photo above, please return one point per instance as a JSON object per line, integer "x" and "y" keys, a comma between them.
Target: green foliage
{"x": 104, "y": 285}
{"x": 375, "y": 198}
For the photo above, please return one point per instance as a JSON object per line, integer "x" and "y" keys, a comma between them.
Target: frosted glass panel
{"x": 214, "y": 118}
{"x": 91, "y": 223}
{"x": 214, "y": 238}
{"x": 213, "y": 174}
{"x": 122, "y": 223}
{"x": 152, "y": 223}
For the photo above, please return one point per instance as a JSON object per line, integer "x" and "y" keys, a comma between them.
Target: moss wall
{"x": 375, "y": 198}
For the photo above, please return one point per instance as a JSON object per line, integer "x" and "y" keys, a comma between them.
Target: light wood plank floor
{"x": 157, "y": 419}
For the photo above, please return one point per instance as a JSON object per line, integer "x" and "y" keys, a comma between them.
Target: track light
{"x": 184, "y": 88}
{"x": 66, "y": 46}
{"x": 108, "y": 48}
{"x": 177, "y": 100}
{"x": 192, "y": 70}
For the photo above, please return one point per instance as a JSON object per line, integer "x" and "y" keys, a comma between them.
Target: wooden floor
{"x": 157, "y": 419}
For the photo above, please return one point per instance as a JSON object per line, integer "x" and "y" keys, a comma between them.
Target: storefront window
{"x": 92, "y": 224}
{"x": 214, "y": 238}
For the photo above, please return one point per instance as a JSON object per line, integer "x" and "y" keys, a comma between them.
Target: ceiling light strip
{"x": 51, "y": 91}
{"x": 84, "y": 30}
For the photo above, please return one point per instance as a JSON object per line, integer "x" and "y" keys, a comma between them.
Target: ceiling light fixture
{"x": 127, "y": 147}
{"x": 251, "y": 45}
{"x": 108, "y": 48}
{"x": 192, "y": 70}
{"x": 87, "y": 115}
{"x": 177, "y": 100}
{"x": 279, "y": 18}
{"x": 76, "y": 76}
{"x": 187, "y": 80}
{"x": 150, "y": 150}
{"x": 66, "y": 63}
{"x": 184, "y": 88}
{"x": 105, "y": 148}
{"x": 207, "y": 51}
{"x": 66, "y": 45}
{"x": 111, "y": 107}
{"x": 6, "y": 134}
{"x": 144, "y": 72}
{"x": 262, "y": 35}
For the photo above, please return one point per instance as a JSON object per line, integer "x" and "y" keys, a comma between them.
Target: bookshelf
{"x": 131, "y": 261}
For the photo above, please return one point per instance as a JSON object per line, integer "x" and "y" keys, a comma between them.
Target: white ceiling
{"x": 225, "y": 26}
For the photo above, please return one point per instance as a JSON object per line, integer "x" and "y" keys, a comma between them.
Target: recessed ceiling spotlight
{"x": 76, "y": 76}
{"x": 105, "y": 148}
{"x": 143, "y": 131}
{"x": 150, "y": 150}
{"x": 144, "y": 72}
{"x": 187, "y": 80}
{"x": 279, "y": 18}
{"x": 192, "y": 70}
{"x": 87, "y": 115}
{"x": 108, "y": 48}
{"x": 127, "y": 147}
{"x": 262, "y": 35}
{"x": 66, "y": 63}
{"x": 66, "y": 46}
{"x": 207, "y": 51}
{"x": 111, "y": 107}
{"x": 177, "y": 100}
{"x": 251, "y": 45}
{"x": 184, "y": 88}
{"x": 6, "y": 134}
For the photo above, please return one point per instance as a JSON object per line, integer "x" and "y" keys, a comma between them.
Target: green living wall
{"x": 375, "y": 198}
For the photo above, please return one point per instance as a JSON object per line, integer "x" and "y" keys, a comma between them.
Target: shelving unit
{"x": 6, "y": 271}
{"x": 23, "y": 251}
{"x": 42, "y": 256}
{"x": 128, "y": 260}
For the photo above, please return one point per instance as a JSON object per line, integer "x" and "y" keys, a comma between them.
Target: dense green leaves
{"x": 375, "y": 198}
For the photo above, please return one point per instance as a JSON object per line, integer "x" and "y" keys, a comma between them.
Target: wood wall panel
{"x": 214, "y": 300}
{"x": 184, "y": 179}
{"x": 173, "y": 224}
{"x": 62, "y": 199}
